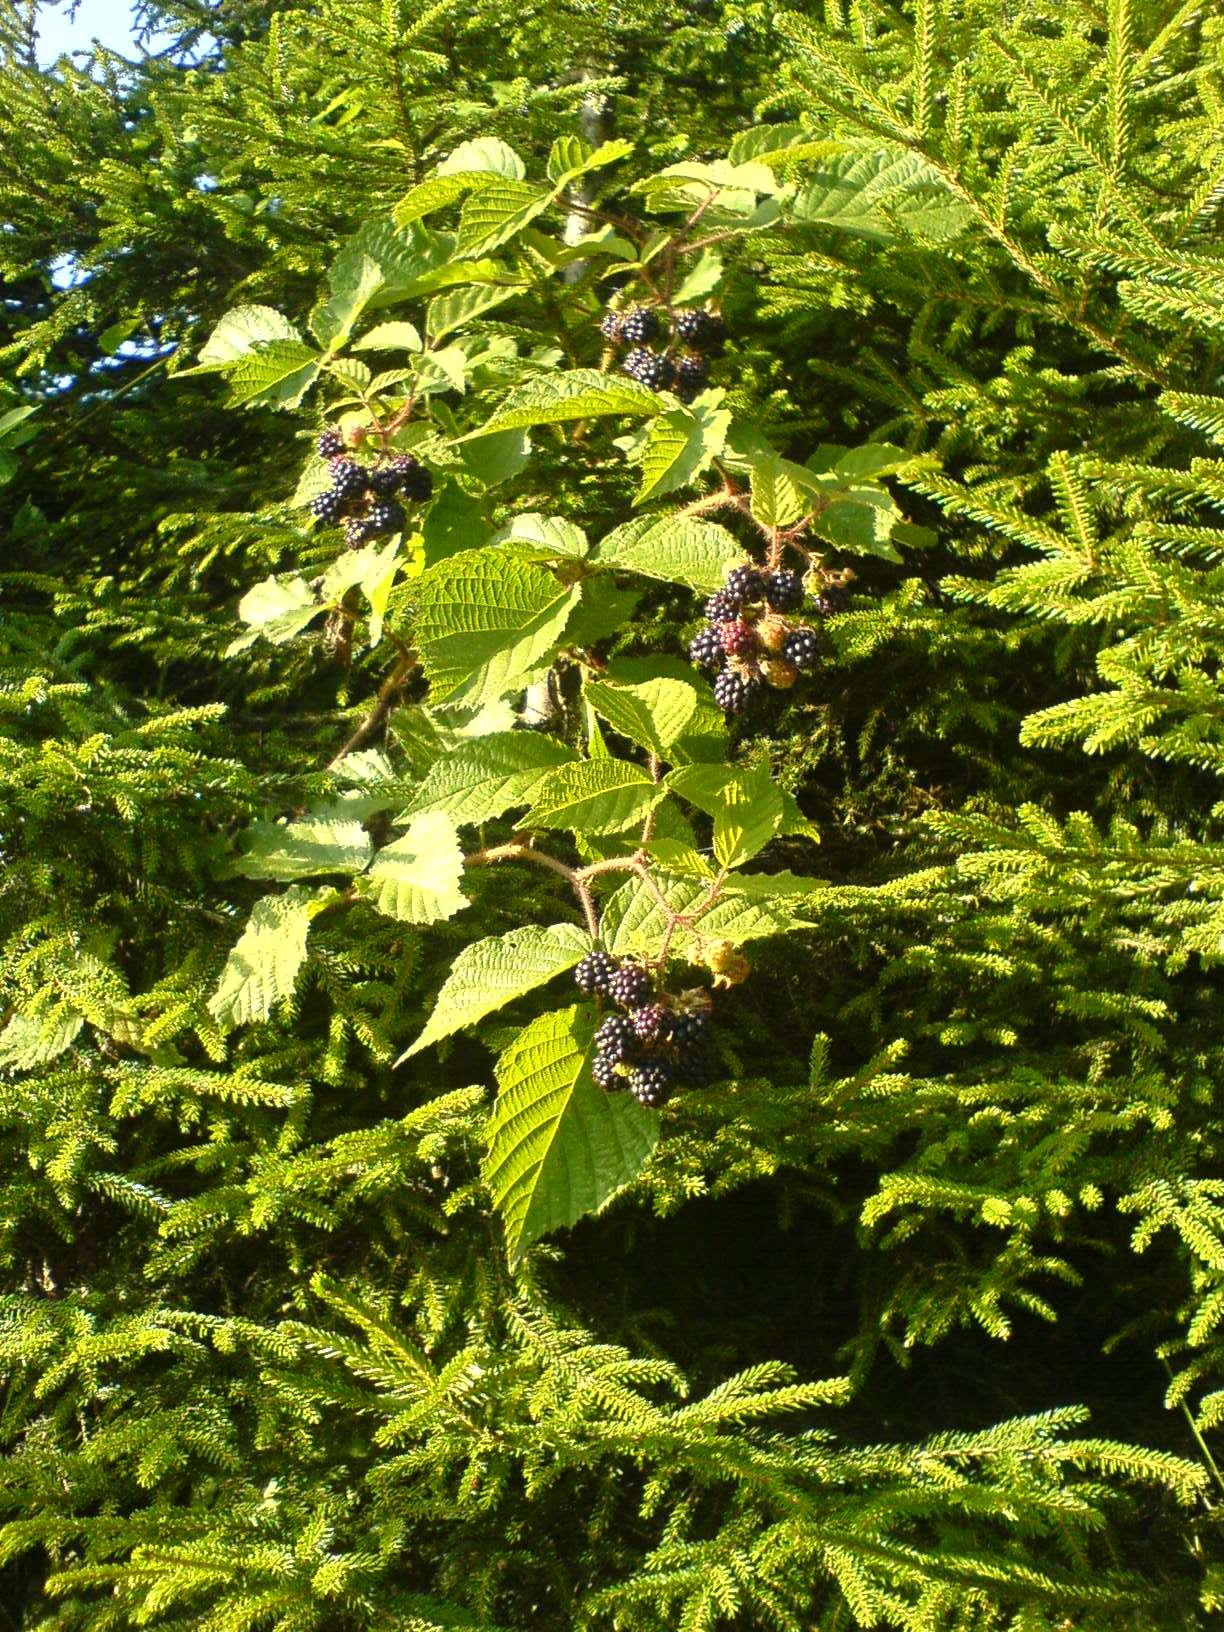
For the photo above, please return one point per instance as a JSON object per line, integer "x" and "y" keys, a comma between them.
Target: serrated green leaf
{"x": 455, "y": 521}
{"x": 559, "y": 1147}
{"x": 543, "y": 538}
{"x": 778, "y": 499}
{"x": 390, "y": 337}
{"x": 446, "y": 313}
{"x": 263, "y": 966}
{"x": 416, "y": 877}
{"x": 484, "y": 621}
{"x": 571, "y": 158}
{"x": 31, "y": 1040}
{"x": 285, "y": 850}
{"x": 494, "y": 213}
{"x": 653, "y": 714}
{"x": 277, "y": 609}
{"x": 701, "y": 279}
{"x": 860, "y": 519}
{"x": 355, "y": 280}
{"x": 880, "y": 192}
{"x": 486, "y": 155}
{"x": 576, "y": 393}
{"x": 488, "y": 776}
{"x": 747, "y": 808}
{"x": 593, "y": 796}
{"x": 489, "y": 974}
{"x": 680, "y": 445}
{"x": 239, "y": 332}
{"x": 677, "y": 549}
{"x": 277, "y": 374}
{"x": 495, "y": 459}
{"x": 633, "y": 922}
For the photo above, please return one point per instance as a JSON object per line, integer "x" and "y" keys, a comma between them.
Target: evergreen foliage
{"x": 338, "y": 1292}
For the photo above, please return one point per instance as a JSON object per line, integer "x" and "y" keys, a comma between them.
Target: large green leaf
{"x": 653, "y": 714}
{"x": 416, "y": 877}
{"x": 577, "y": 393}
{"x": 536, "y": 537}
{"x": 881, "y": 192}
{"x": 484, "y": 621}
{"x": 678, "y": 549}
{"x": 559, "y": 1147}
{"x": 488, "y": 776}
{"x": 681, "y": 444}
{"x": 239, "y": 332}
{"x": 747, "y": 808}
{"x": 277, "y": 609}
{"x": 277, "y": 374}
{"x": 285, "y": 850}
{"x": 355, "y": 280}
{"x": 494, "y": 213}
{"x": 460, "y": 307}
{"x": 634, "y": 923}
{"x": 489, "y": 974}
{"x": 263, "y": 967}
{"x": 593, "y": 796}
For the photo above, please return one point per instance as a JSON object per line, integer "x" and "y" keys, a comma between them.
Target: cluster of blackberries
{"x": 363, "y": 497}
{"x": 747, "y": 640}
{"x": 653, "y": 1043}
{"x": 685, "y": 371}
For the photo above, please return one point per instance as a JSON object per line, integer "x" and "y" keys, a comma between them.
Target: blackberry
{"x": 326, "y": 507}
{"x": 690, "y": 1033}
{"x": 356, "y": 531}
{"x": 656, "y": 373}
{"x": 330, "y": 443}
{"x": 384, "y": 516}
{"x": 731, "y": 692}
{"x": 698, "y": 328}
{"x": 652, "y": 1024}
{"x": 605, "y": 1074}
{"x": 610, "y": 327}
{"x": 802, "y": 648}
{"x": 706, "y": 649}
{"x": 349, "y": 478}
{"x": 385, "y": 479}
{"x": 594, "y": 972}
{"x": 746, "y": 583}
{"x": 630, "y": 987}
{"x": 833, "y": 598}
{"x": 651, "y": 1084}
{"x": 723, "y": 607}
{"x": 692, "y": 373}
{"x": 636, "y": 360}
{"x": 638, "y": 325}
{"x": 615, "y": 1040}
{"x": 784, "y": 591}
{"x": 416, "y": 483}
{"x": 738, "y": 639}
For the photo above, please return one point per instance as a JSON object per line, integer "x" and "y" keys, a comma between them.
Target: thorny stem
{"x": 388, "y": 696}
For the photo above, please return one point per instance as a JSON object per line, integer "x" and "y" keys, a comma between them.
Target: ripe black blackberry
{"x": 635, "y": 361}
{"x": 706, "y": 649}
{"x": 416, "y": 483}
{"x": 326, "y": 507}
{"x": 738, "y": 639}
{"x": 616, "y": 1039}
{"x": 692, "y": 373}
{"x": 385, "y": 479}
{"x": 594, "y": 972}
{"x": 610, "y": 327}
{"x": 731, "y": 692}
{"x": 699, "y": 328}
{"x": 356, "y": 531}
{"x": 833, "y": 598}
{"x": 784, "y": 590}
{"x": 630, "y": 987}
{"x": 330, "y": 443}
{"x": 605, "y": 1074}
{"x": 639, "y": 325}
{"x": 746, "y": 583}
{"x": 651, "y": 1084}
{"x": 802, "y": 648}
{"x": 349, "y": 478}
{"x": 690, "y": 1034}
{"x": 723, "y": 607}
{"x": 656, "y": 373}
{"x": 384, "y": 516}
{"x": 652, "y": 1024}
